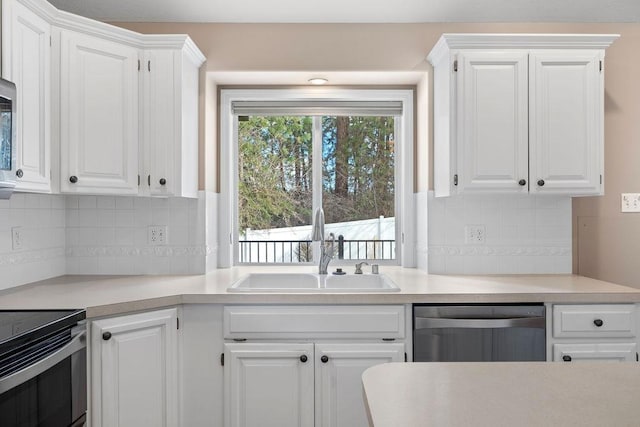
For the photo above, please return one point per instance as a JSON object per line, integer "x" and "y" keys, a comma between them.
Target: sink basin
{"x": 309, "y": 282}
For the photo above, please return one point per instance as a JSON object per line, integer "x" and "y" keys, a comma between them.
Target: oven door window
{"x": 43, "y": 401}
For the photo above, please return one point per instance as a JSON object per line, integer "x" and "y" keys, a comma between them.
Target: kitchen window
{"x": 285, "y": 153}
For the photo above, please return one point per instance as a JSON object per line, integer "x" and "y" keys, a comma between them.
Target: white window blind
{"x": 316, "y": 108}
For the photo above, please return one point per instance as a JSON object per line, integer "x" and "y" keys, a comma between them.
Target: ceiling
{"x": 355, "y": 11}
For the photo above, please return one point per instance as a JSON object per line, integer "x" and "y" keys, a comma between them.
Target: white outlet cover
{"x": 474, "y": 234}
{"x": 157, "y": 235}
{"x": 17, "y": 238}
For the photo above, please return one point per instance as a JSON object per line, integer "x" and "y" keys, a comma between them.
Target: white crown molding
{"x": 461, "y": 250}
{"x": 525, "y": 41}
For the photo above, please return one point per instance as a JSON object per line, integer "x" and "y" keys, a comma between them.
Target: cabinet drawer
{"x": 314, "y": 321}
{"x": 614, "y": 320}
{"x": 607, "y": 352}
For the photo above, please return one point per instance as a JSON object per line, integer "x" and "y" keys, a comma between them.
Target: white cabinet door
{"x": 268, "y": 385}
{"x": 604, "y": 352}
{"x": 339, "y": 368}
{"x": 492, "y": 121}
{"x": 161, "y": 110}
{"x": 134, "y": 377}
{"x": 169, "y": 102}
{"x": 98, "y": 115}
{"x": 566, "y": 119}
{"x": 30, "y": 69}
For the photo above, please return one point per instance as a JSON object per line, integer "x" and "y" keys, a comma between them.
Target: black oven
{"x": 43, "y": 368}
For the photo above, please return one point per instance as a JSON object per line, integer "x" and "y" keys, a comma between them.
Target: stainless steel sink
{"x": 309, "y": 282}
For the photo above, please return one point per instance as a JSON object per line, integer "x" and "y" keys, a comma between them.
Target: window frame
{"x": 404, "y": 174}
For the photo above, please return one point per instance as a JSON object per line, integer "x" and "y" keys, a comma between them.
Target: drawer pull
{"x": 303, "y": 358}
{"x": 598, "y": 322}
{"x": 106, "y": 336}
{"x": 566, "y": 358}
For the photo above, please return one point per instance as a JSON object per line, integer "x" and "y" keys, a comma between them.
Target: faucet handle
{"x": 359, "y": 267}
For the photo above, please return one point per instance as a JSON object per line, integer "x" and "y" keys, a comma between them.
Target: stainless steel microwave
{"x": 7, "y": 138}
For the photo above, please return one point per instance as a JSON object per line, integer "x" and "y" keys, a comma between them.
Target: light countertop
{"x": 503, "y": 394}
{"x": 107, "y": 295}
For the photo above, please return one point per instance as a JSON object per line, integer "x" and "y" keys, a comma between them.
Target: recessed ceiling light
{"x": 318, "y": 81}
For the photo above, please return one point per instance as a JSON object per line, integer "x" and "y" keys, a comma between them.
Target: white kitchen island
{"x": 503, "y": 394}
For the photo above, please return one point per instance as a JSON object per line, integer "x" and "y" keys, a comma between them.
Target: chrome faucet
{"x": 359, "y": 267}
{"x": 327, "y": 248}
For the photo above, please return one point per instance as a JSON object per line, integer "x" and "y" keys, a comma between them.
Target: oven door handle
{"x": 515, "y": 322}
{"x": 10, "y": 381}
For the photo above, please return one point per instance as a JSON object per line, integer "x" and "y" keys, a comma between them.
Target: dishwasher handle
{"x": 515, "y": 322}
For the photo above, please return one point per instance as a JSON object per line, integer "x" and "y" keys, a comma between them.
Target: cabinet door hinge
{"x": 222, "y": 359}
{"x": 405, "y": 357}
{"x": 177, "y": 323}
{"x": 601, "y": 65}
{"x": 455, "y": 66}
{"x": 455, "y": 179}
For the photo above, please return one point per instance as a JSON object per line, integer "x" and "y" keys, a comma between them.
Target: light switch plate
{"x": 630, "y": 202}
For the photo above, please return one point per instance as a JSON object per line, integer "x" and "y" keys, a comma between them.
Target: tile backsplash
{"x": 523, "y": 234}
{"x": 110, "y": 235}
{"x": 39, "y": 219}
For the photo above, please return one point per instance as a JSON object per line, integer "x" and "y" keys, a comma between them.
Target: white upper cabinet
{"x": 26, "y": 60}
{"x": 519, "y": 113}
{"x": 102, "y": 109}
{"x": 98, "y": 115}
{"x": 169, "y": 102}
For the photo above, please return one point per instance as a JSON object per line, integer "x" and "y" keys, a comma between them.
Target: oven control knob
{"x": 566, "y": 358}
{"x": 106, "y": 336}
{"x": 598, "y": 322}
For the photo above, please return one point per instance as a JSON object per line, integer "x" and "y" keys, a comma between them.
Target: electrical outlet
{"x": 630, "y": 202}
{"x": 157, "y": 235}
{"x": 17, "y": 238}
{"x": 474, "y": 234}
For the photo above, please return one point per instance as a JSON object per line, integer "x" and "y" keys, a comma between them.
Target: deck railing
{"x": 294, "y": 251}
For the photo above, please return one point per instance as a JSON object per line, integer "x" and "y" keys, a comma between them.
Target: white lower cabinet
{"x": 269, "y": 385}
{"x": 303, "y": 365}
{"x": 594, "y": 333}
{"x": 134, "y": 370}
{"x": 604, "y": 352}
{"x": 338, "y": 380}
{"x": 291, "y": 384}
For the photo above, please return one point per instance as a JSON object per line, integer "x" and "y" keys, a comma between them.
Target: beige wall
{"x": 606, "y": 242}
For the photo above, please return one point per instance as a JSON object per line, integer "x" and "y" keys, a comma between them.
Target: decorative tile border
{"x": 127, "y": 251}
{"x": 499, "y": 250}
{"x": 31, "y": 256}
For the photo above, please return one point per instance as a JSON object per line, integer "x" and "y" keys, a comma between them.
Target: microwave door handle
{"x": 32, "y": 371}
{"x": 516, "y": 322}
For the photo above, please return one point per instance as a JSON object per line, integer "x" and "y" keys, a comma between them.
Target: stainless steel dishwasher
{"x": 479, "y": 333}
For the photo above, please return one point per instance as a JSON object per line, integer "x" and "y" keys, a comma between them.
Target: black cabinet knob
{"x": 324, "y": 359}
{"x": 566, "y": 358}
{"x": 522, "y": 182}
{"x": 73, "y": 179}
{"x": 598, "y": 322}
{"x": 541, "y": 182}
{"x": 163, "y": 181}
{"x": 106, "y": 336}
{"x": 303, "y": 358}
{"x": 19, "y": 173}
